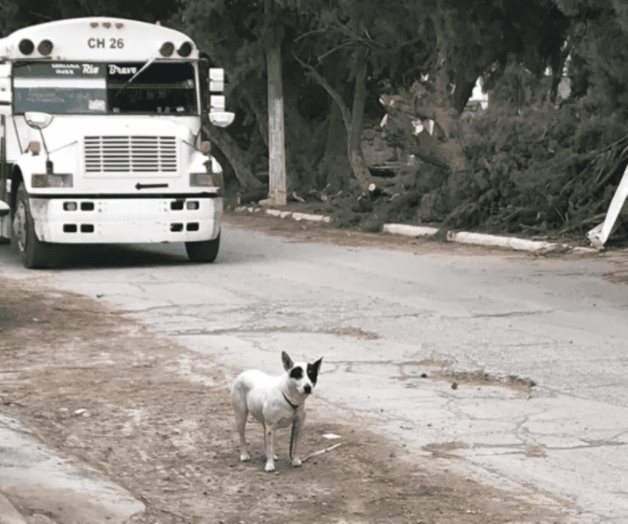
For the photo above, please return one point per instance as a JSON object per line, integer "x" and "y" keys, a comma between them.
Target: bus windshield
{"x": 99, "y": 88}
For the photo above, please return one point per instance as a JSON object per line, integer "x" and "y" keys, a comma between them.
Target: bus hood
{"x": 67, "y": 130}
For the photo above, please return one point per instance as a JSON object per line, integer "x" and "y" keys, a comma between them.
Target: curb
{"x": 518, "y": 244}
{"x": 294, "y": 215}
{"x": 8, "y": 513}
{"x": 461, "y": 237}
{"x": 407, "y": 230}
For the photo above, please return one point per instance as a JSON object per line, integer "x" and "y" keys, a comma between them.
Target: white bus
{"x": 101, "y": 138}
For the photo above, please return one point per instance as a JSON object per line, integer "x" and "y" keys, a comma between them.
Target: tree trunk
{"x": 276, "y": 141}
{"x": 304, "y": 144}
{"x": 356, "y": 123}
{"x": 256, "y": 106}
{"x": 335, "y": 166}
{"x": 352, "y": 119}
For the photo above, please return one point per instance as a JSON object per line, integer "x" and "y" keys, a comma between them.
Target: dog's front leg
{"x": 295, "y": 436}
{"x": 269, "y": 433}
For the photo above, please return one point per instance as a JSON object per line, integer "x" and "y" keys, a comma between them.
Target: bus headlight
{"x": 52, "y": 180}
{"x": 201, "y": 180}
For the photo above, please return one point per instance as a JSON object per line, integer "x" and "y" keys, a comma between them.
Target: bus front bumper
{"x": 85, "y": 220}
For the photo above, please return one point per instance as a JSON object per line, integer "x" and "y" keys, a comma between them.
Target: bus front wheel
{"x": 33, "y": 253}
{"x": 205, "y": 251}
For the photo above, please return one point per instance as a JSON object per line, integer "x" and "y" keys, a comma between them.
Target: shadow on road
{"x": 103, "y": 256}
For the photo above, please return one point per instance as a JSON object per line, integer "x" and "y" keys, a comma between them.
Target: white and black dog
{"x": 276, "y": 402}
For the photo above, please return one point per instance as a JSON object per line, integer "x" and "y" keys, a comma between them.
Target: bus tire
{"x": 33, "y": 253}
{"x": 205, "y": 251}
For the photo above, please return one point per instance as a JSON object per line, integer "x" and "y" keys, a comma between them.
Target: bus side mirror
{"x": 217, "y": 114}
{"x": 216, "y": 79}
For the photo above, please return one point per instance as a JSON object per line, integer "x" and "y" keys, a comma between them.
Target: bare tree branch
{"x": 335, "y": 95}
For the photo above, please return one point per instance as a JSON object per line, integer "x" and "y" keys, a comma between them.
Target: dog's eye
{"x": 296, "y": 373}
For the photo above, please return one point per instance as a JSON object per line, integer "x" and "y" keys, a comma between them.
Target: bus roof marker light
{"x": 45, "y": 47}
{"x": 119, "y": 25}
{"x": 26, "y": 46}
{"x": 93, "y": 24}
{"x": 166, "y": 49}
{"x": 106, "y": 24}
{"x": 185, "y": 49}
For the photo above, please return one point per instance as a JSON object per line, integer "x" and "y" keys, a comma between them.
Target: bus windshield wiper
{"x": 141, "y": 70}
{"x": 135, "y": 75}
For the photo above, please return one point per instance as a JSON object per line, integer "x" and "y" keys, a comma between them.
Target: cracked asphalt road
{"x": 505, "y": 367}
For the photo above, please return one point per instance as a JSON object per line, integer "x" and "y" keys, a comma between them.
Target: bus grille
{"x": 130, "y": 154}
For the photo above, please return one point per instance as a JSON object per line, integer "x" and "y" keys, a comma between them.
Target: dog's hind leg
{"x": 241, "y": 414}
{"x": 240, "y": 426}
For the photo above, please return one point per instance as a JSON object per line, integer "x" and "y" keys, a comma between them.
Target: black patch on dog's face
{"x": 296, "y": 373}
{"x": 312, "y": 370}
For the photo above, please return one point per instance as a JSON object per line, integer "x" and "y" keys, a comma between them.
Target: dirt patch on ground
{"x": 156, "y": 419}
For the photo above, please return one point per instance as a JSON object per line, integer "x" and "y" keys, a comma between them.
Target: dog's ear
{"x": 313, "y": 369}
{"x": 287, "y": 361}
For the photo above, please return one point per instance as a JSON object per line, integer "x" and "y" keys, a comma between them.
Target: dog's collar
{"x": 293, "y": 406}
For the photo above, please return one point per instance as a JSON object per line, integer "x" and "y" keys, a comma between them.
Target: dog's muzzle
{"x": 307, "y": 389}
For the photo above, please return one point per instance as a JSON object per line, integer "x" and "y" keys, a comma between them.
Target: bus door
{"x": 5, "y": 111}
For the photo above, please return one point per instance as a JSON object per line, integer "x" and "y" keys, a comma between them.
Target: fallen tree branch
{"x": 252, "y": 196}
{"x": 321, "y": 452}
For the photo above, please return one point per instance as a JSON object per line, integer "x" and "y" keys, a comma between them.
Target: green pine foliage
{"x": 542, "y": 169}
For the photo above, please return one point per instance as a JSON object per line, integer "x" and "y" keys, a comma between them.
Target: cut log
{"x": 293, "y": 197}
{"x": 252, "y": 196}
{"x": 375, "y": 191}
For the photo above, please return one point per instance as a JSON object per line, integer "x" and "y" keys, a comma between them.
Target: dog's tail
{"x": 238, "y": 401}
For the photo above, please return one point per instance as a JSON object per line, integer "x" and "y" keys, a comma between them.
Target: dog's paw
{"x": 296, "y": 463}
{"x": 244, "y": 457}
{"x": 269, "y": 467}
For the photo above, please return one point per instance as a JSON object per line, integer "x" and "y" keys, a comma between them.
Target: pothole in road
{"x": 443, "y": 370}
{"x": 444, "y": 449}
{"x": 617, "y": 277}
{"x": 353, "y": 332}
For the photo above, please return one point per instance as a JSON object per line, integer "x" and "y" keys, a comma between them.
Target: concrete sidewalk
{"x": 40, "y": 486}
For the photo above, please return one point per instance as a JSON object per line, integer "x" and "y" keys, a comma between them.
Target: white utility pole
{"x": 277, "y": 193}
